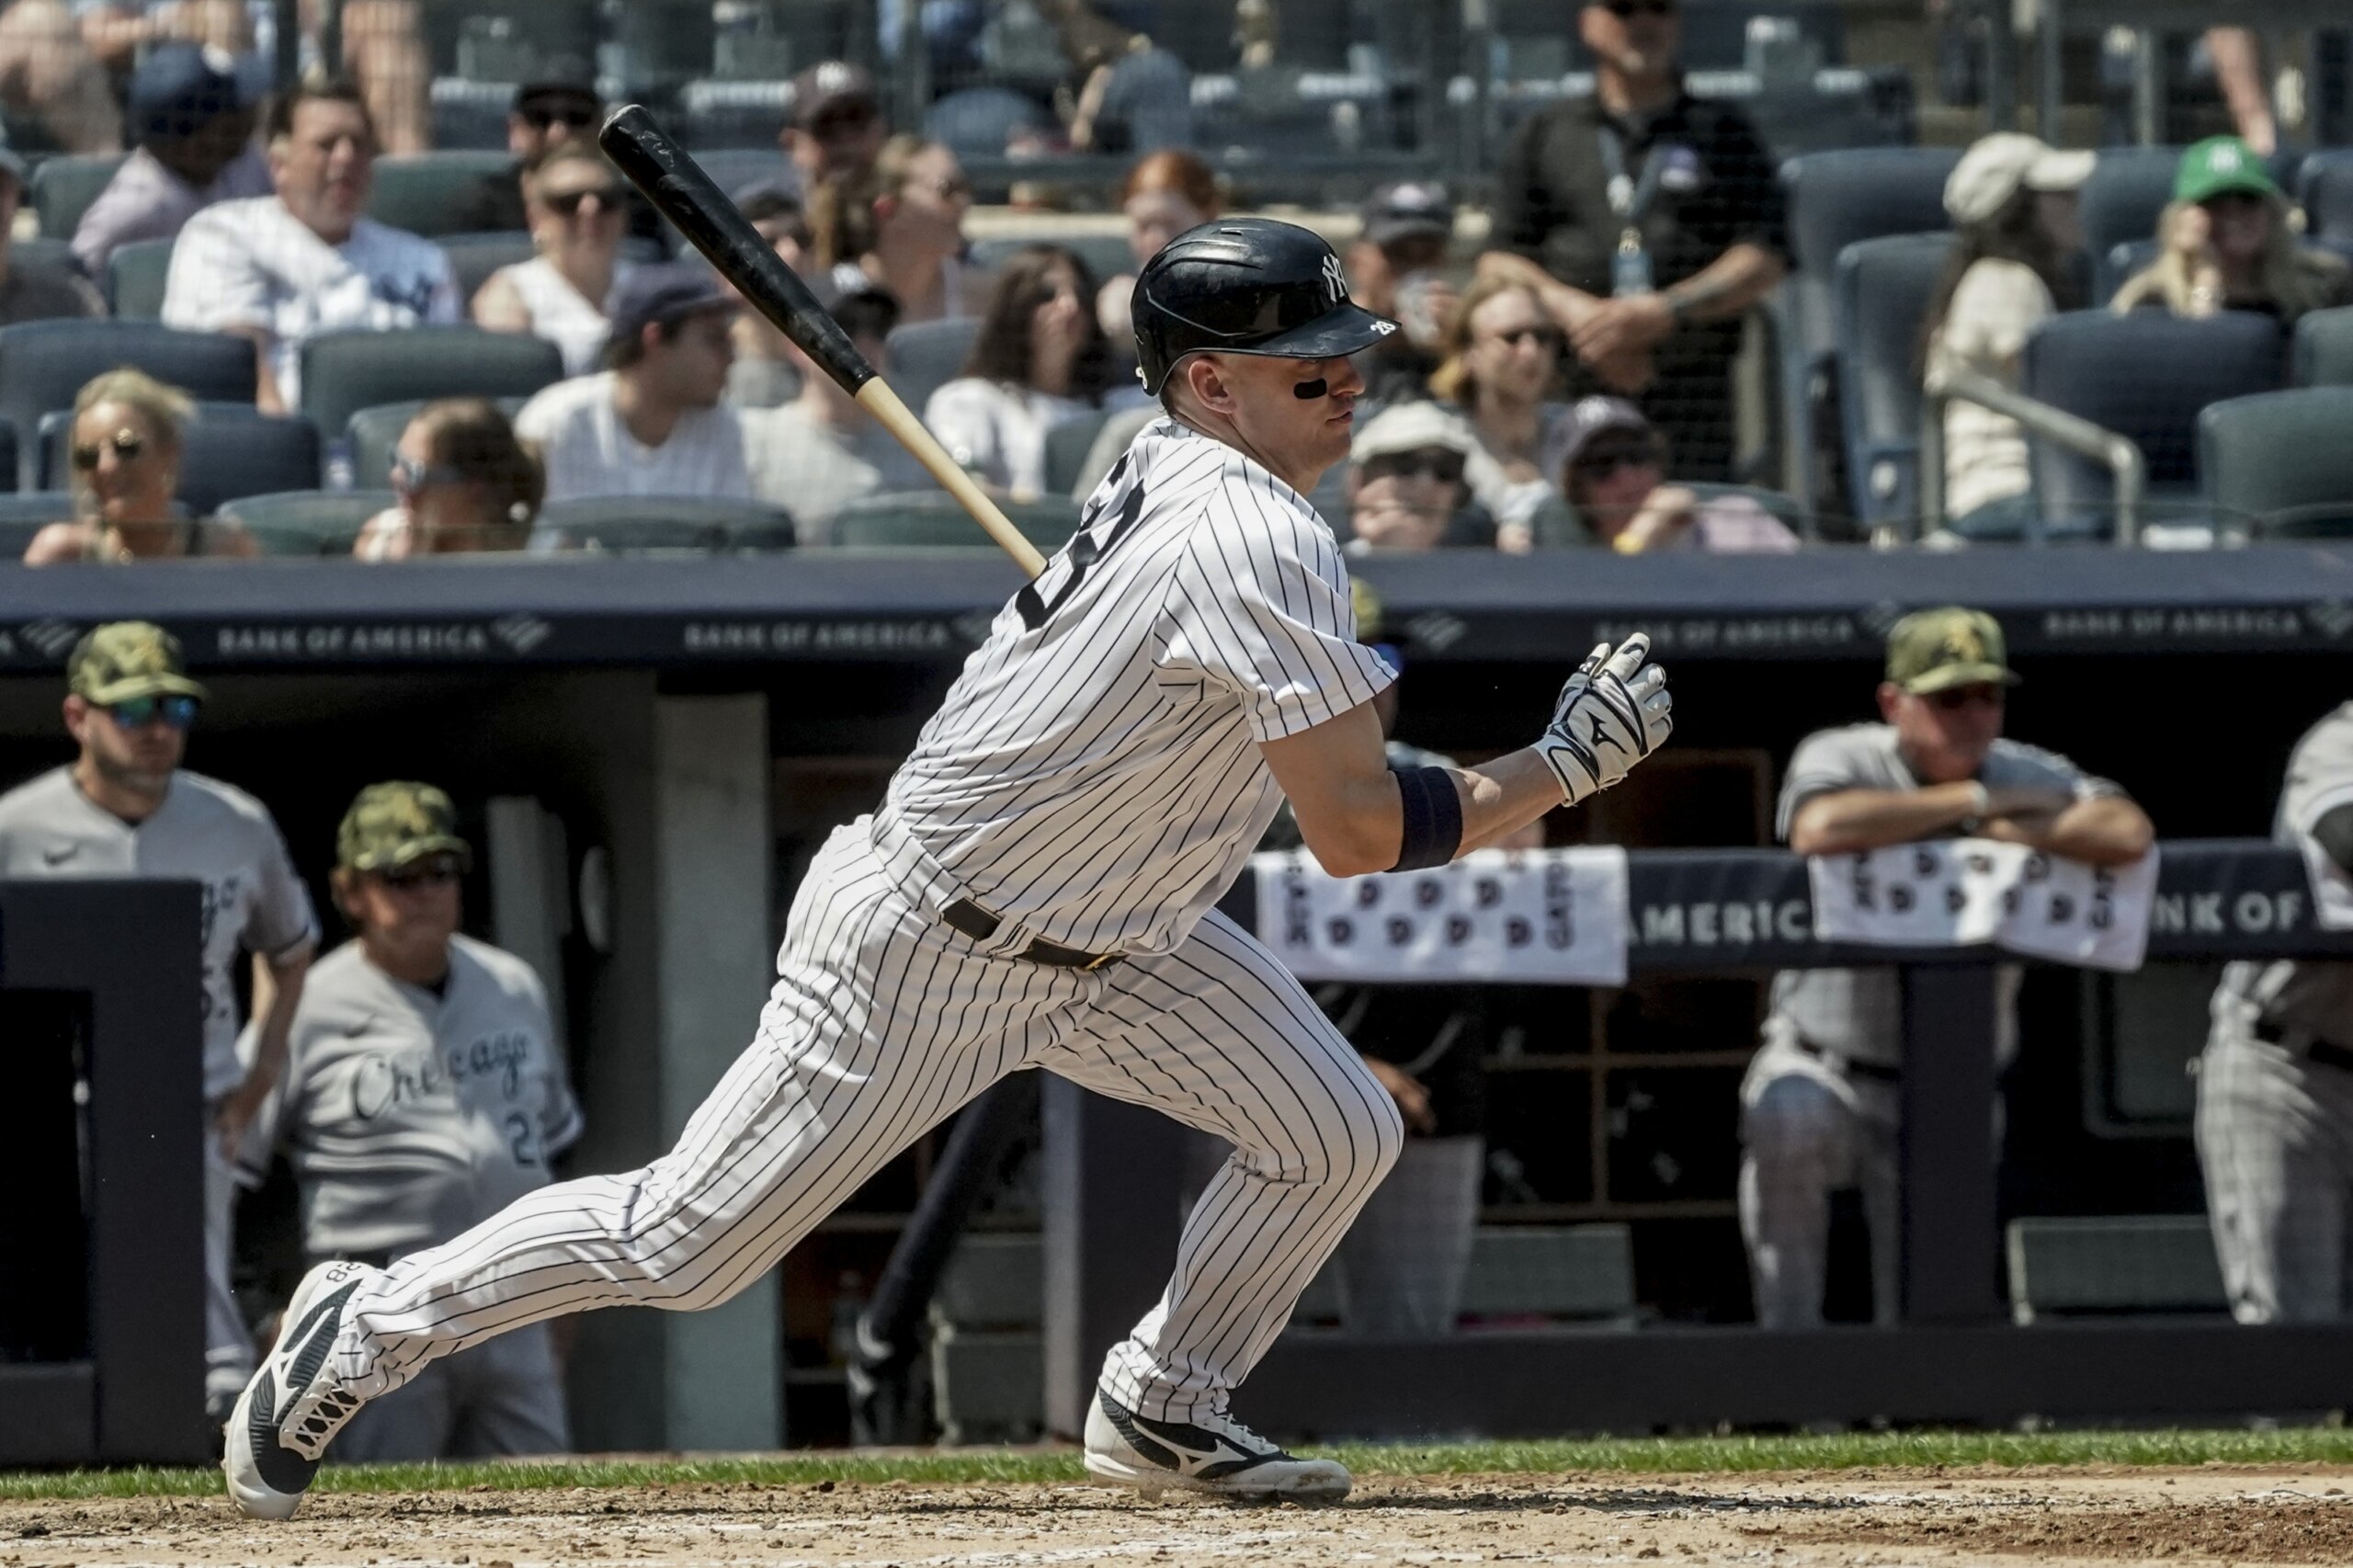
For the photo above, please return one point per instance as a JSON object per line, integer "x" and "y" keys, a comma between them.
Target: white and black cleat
{"x": 291, "y": 1409}
{"x": 1216, "y": 1454}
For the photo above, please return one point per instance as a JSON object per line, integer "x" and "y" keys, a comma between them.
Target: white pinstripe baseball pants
{"x": 882, "y": 1022}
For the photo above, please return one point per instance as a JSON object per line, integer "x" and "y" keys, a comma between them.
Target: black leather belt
{"x": 979, "y": 924}
{"x": 2304, "y": 1043}
{"x": 1871, "y": 1070}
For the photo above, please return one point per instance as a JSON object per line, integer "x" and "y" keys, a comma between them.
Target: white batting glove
{"x": 1612, "y": 713}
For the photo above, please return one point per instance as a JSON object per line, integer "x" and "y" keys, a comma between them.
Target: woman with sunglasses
{"x": 466, "y": 483}
{"x": 1502, "y": 360}
{"x": 576, "y": 208}
{"x": 1612, "y": 471}
{"x": 2229, "y": 243}
{"x": 899, "y": 228}
{"x": 124, "y": 445}
{"x": 1040, "y": 358}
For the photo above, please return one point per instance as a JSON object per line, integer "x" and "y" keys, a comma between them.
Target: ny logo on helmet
{"x": 1335, "y": 282}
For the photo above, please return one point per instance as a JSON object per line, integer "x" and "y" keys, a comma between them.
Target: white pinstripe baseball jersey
{"x": 1094, "y": 775}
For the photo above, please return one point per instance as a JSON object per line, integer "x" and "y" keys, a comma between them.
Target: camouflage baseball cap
{"x": 393, "y": 824}
{"x": 1936, "y": 650}
{"x": 124, "y": 659}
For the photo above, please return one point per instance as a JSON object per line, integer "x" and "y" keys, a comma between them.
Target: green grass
{"x": 1622, "y": 1457}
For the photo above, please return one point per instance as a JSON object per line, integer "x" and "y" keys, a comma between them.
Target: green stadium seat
{"x": 344, "y": 372}
{"x": 63, "y": 187}
{"x": 2277, "y": 463}
{"x": 628, "y": 525}
{"x": 44, "y": 364}
{"x": 2113, "y": 1263}
{"x": 136, "y": 274}
{"x": 1067, "y": 445}
{"x": 231, "y": 450}
{"x": 421, "y": 191}
{"x": 474, "y": 257}
{"x": 932, "y": 520}
{"x": 307, "y": 522}
{"x": 2323, "y": 349}
{"x": 25, "y": 513}
{"x": 373, "y": 432}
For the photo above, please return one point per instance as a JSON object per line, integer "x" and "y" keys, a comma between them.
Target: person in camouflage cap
{"x": 125, "y": 806}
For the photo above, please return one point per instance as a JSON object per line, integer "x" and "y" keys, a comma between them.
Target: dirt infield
{"x": 1882, "y": 1517}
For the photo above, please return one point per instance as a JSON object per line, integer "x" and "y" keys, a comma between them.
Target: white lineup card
{"x": 1555, "y": 916}
{"x": 1965, "y": 892}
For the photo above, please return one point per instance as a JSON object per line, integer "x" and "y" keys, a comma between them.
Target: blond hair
{"x": 168, "y": 409}
{"x": 1452, "y": 381}
{"x": 2287, "y": 275}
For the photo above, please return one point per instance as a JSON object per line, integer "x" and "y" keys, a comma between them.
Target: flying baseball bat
{"x": 681, "y": 192}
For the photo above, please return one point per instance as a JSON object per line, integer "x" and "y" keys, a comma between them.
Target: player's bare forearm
{"x": 1507, "y": 794}
{"x": 2104, "y": 830}
{"x": 277, "y": 990}
{"x": 1849, "y": 820}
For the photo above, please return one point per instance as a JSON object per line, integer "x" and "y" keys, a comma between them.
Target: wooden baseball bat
{"x": 681, "y": 192}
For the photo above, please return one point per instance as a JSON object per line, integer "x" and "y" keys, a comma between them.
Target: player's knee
{"x": 1794, "y": 1118}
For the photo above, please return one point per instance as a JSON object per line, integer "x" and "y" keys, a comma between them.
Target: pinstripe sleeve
{"x": 1259, "y": 604}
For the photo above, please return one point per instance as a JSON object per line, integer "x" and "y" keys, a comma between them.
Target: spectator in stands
{"x": 118, "y": 31}
{"x": 836, "y": 130}
{"x": 1164, "y": 194}
{"x": 1040, "y": 358}
{"x": 1818, "y": 1107}
{"x": 194, "y": 131}
{"x": 280, "y": 269}
{"x": 51, "y": 83}
{"x": 2230, "y": 244}
{"x": 822, "y": 450}
{"x": 383, "y": 51}
{"x": 768, "y": 372}
{"x": 125, "y": 443}
{"x": 1128, "y": 95}
{"x": 2013, "y": 202}
{"x": 1503, "y": 359}
{"x": 464, "y": 483}
{"x": 1648, "y": 222}
{"x": 1405, "y": 486}
{"x": 426, "y": 1087}
{"x": 901, "y": 228}
{"x": 652, "y": 422}
{"x": 560, "y": 110}
{"x": 1605, "y": 455}
{"x": 1403, "y": 230}
{"x": 577, "y": 213}
{"x": 125, "y": 806}
{"x": 32, "y": 293}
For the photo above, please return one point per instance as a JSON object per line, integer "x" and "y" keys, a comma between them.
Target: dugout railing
{"x": 1112, "y": 1212}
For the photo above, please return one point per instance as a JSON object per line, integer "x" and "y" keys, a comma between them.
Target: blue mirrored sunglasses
{"x": 136, "y": 713}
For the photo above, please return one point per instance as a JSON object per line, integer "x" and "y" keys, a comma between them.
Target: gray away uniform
{"x": 225, "y": 839}
{"x": 1819, "y": 1103}
{"x": 2275, "y": 1090}
{"x": 412, "y": 1116}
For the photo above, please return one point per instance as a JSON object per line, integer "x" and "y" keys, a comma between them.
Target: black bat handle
{"x": 681, "y": 192}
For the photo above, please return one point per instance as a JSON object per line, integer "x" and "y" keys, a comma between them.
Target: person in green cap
{"x": 424, "y": 1089}
{"x": 125, "y": 806}
{"x": 2228, "y": 242}
{"x": 1818, "y": 1106}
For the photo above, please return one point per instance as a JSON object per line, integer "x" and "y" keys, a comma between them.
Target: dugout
{"x": 648, "y": 752}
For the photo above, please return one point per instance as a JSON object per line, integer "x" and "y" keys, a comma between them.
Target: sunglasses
{"x": 567, "y": 202}
{"x": 1520, "y": 336}
{"x": 1600, "y": 464}
{"x": 1443, "y": 466}
{"x": 138, "y": 713}
{"x": 127, "y": 445}
{"x": 1953, "y": 699}
{"x": 412, "y": 476}
{"x": 433, "y": 871}
{"x": 1622, "y": 9}
{"x": 576, "y": 118}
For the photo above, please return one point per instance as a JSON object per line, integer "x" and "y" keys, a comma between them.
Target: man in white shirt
{"x": 653, "y": 423}
{"x": 280, "y": 270}
{"x": 819, "y": 452}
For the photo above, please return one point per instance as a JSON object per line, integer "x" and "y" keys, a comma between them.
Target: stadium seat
{"x": 926, "y": 355}
{"x": 136, "y": 274}
{"x": 44, "y": 364}
{"x": 1835, "y": 200}
{"x": 420, "y": 191}
{"x": 372, "y": 434}
{"x": 2099, "y": 1265}
{"x": 45, "y": 253}
{"x": 2145, "y": 376}
{"x": 25, "y": 513}
{"x": 2111, "y": 267}
{"x": 474, "y": 257}
{"x": 2325, "y": 186}
{"x": 1881, "y": 295}
{"x": 8, "y": 456}
{"x": 2129, "y": 187}
{"x": 1067, "y": 445}
{"x": 230, "y": 451}
{"x": 344, "y": 372}
{"x": 735, "y": 169}
{"x": 2279, "y": 463}
{"x": 307, "y": 522}
{"x": 64, "y": 187}
{"x": 1107, "y": 255}
{"x": 931, "y": 520}
{"x": 2324, "y": 348}
{"x": 623, "y": 525}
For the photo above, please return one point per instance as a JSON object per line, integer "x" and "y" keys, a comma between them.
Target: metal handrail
{"x": 2072, "y": 431}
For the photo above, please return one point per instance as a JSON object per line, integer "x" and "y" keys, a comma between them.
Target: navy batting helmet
{"x": 1247, "y": 286}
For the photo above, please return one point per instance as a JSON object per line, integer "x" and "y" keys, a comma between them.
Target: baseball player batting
{"x": 1037, "y": 891}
